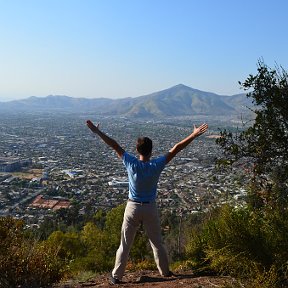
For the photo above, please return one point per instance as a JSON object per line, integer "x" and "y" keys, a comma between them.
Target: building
{"x": 46, "y": 203}
{"x": 73, "y": 173}
{"x": 118, "y": 183}
{"x": 8, "y": 164}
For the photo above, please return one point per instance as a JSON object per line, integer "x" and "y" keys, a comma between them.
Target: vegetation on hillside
{"x": 26, "y": 262}
{"x": 252, "y": 242}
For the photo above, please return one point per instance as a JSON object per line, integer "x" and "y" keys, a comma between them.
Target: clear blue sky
{"x": 127, "y": 48}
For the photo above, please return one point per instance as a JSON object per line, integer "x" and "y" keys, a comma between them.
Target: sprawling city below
{"x": 53, "y": 161}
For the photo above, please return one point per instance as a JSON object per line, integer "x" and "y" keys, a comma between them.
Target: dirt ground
{"x": 28, "y": 174}
{"x": 153, "y": 279}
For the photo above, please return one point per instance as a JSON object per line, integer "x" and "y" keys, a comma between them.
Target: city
{"x": 52, "y": 162}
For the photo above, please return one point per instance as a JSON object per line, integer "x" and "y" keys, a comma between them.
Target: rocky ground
{"x": 152, "y": 279}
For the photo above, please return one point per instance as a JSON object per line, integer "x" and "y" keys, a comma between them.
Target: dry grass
{"x": 29, "y": 174}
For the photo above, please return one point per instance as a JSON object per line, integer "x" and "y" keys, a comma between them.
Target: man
{"x": 143, "y": 176}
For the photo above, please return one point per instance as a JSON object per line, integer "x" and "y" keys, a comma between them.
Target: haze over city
{"x": 119, "y": 49}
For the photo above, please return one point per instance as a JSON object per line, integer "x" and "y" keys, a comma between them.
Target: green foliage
{"x": 95, "y": 242}
{"x": 264, "y": 144}
{"x": 94, "y": 247}
{"x": 69, "y": 244}
{"x": 26, "y": 262}
{"x": 266, "y": 279}
{"x": 244, "y": 244}
{"x": 141, "y": 250}
{"x": 112, "y": 228}
{"x": 142, "y": 265}
{"x": 251, "y": 241}
{"x": 99, "y": 218}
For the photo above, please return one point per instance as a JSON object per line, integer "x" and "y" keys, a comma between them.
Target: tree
{"x": 95, "y": 243}
{"x": 112, "y": 228}
{"x": 248, "y": 242}
{"x": 69, "y": 244}
{"x": 264, "y": 143}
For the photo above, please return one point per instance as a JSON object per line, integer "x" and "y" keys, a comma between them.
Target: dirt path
{"x": 152, "y": 279}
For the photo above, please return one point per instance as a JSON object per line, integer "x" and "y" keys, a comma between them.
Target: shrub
{"x": 243, "y": 243}
{"x": 26, "y": 262}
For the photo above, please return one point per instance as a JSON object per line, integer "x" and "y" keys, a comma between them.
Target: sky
{"x": 129, "y": 48}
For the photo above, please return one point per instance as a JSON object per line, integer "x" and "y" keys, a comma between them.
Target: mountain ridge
{"x": 179, "y": 100}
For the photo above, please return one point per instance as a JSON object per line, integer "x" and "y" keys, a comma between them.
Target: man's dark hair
{"x": 144, "y": 146}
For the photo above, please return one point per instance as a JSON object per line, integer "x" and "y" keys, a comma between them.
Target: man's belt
{"x": 140, "y": 202}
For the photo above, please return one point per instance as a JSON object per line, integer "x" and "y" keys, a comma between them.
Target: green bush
{"x": 94, "y": 247}
{"x": 26, "y": 262}
{"x": 243, "y": 243}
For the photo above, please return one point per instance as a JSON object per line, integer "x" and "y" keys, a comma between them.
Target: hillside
{"x": 176, "y": 101}
{"x": 152, "y": 279}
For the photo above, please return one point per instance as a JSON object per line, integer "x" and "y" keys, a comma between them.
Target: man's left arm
{"x": 109, "y": 141}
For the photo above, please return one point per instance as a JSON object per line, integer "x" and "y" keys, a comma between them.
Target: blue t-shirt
{"x": 143, "y": 177}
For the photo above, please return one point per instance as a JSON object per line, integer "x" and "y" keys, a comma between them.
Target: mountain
{"x": 179, "y": 100}
{"x": 54, "y": 103}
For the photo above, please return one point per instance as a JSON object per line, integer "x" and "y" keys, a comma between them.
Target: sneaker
{"x": 114, "y": 281}
{"x": 170, "y": 274}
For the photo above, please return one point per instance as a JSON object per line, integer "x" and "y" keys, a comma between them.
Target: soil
{"x": 29, "y": 174}
{"x": 153, "y": 279}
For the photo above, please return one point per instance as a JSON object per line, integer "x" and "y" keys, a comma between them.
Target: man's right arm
{"x": 186, "y": 141}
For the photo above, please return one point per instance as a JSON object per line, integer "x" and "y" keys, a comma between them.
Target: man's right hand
{"x": 200, "y": 130}
{"x": 186, "y": 141}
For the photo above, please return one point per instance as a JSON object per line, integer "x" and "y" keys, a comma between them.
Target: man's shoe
{"x": 114, "y": 281}
{"x": 170, "y": 274}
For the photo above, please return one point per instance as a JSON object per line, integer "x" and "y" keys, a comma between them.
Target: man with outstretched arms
{"x": 143, "y": 176}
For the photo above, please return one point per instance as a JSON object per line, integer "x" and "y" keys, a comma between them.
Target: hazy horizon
{"x": 43, "y": 96}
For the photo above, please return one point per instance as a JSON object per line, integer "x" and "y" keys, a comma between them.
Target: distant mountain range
{"x": 179, "y": 100}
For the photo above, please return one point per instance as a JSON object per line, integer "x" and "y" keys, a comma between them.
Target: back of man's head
{"x": 144, "y": 146}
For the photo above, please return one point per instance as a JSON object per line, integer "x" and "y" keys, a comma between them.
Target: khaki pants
{"x": 135, "y": 213}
